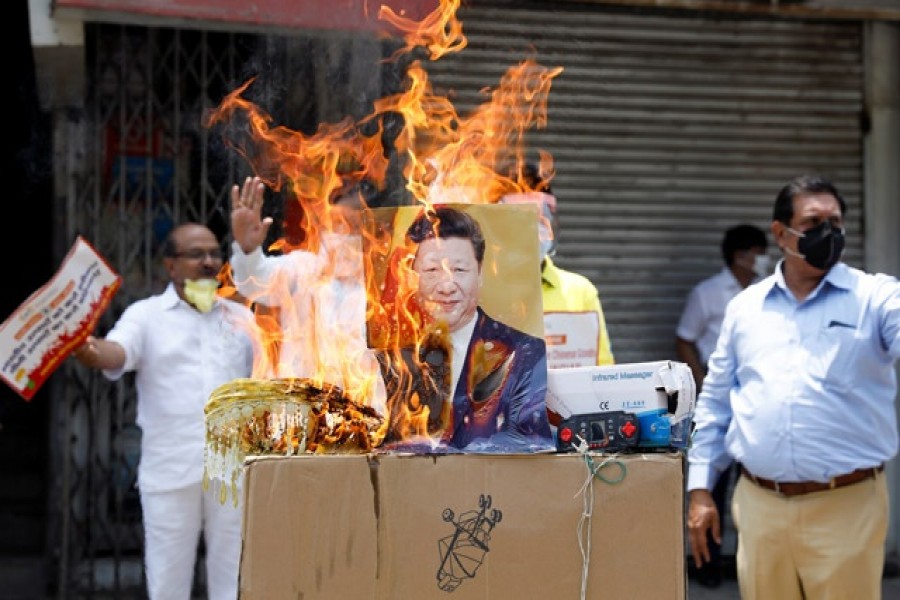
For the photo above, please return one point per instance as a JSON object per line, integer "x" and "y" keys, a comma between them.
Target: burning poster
{"x": 55, "y": 319}
{"x": 455, "y": 309}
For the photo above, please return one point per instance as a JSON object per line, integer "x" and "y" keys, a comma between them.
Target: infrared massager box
{"x": 660, "y": 394}
{"x": 464, "y": 527}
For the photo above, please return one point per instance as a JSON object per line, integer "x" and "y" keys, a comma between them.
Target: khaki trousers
{"x": 822, "y": 546}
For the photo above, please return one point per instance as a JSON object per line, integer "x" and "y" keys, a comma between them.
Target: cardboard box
{"x": 463, "y": 527}
{"x": 661, "y": 394}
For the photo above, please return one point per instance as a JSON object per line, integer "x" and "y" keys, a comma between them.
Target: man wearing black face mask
{"x": 802, "y": 382}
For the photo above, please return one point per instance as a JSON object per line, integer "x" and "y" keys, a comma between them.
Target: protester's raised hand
{"x": 248, "y": 227}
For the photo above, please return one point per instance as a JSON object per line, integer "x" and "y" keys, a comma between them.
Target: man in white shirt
{"x": 320, "y": 292}
{"x": 182, "y": 344}
{"x": 744, "y": 253}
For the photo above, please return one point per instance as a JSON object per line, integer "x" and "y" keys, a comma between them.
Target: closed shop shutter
{"x": 667, "y": 128}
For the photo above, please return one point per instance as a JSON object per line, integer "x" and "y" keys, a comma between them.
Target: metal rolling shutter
{"x": 667, "y": 128}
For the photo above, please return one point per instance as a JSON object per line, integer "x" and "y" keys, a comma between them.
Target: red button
{"x": 628, "y": 429}
{"x": 565, "y": 434}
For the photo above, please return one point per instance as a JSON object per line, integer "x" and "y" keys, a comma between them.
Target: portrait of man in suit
{"x": 493, "y": 394}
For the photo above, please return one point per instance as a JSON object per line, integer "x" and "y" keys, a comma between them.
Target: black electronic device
{"x": 606, "y": 431}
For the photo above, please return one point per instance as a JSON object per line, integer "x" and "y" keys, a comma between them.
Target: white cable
{"x": 583, "y": 529}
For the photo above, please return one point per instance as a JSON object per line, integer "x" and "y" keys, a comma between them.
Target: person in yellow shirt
{"x": 574, "y": 325}
{"x": 568, "y": 292}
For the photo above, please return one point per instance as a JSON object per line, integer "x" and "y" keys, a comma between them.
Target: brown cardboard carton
{"x": 463, "y": 527}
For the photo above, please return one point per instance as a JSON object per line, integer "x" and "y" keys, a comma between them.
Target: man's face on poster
{"x": 449, "y": 279}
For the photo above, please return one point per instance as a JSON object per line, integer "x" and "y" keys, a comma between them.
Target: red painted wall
{"x": 347, "y": 15}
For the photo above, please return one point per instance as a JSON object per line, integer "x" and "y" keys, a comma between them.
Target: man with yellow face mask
{"x": 181, "y": 344}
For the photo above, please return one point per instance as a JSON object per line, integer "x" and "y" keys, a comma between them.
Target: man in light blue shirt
{"x": 800, "y": 392}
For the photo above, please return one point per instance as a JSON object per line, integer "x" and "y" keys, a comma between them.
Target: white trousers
{"x": 173, "y": 522}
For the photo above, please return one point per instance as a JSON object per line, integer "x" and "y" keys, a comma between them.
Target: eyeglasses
{"x": 213, "y": 255}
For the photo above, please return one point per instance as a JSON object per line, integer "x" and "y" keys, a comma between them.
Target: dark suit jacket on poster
{"x": 501, "y": 391}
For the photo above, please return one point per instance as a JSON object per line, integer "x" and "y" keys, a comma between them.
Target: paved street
{"x": 729, "y": 589}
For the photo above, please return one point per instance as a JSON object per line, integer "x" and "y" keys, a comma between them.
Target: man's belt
{"x": 797, "y": 488}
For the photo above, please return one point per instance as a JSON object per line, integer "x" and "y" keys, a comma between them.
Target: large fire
{"x": 445, "y": 157}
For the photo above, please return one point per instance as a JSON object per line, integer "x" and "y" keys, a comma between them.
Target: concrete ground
{"x": 729, "y": 590}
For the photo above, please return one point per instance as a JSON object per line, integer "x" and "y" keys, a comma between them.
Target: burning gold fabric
{"x": 251, "y": 417}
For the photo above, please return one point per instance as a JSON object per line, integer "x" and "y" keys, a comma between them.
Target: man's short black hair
{"x": 742, "y": 237}
{"x": 804, "y": 184}
{"x": 445, "y": 222}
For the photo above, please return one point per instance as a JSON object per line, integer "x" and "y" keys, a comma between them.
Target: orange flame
{"x": 440, "y": 32}
{"x": 446, "y": 157}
